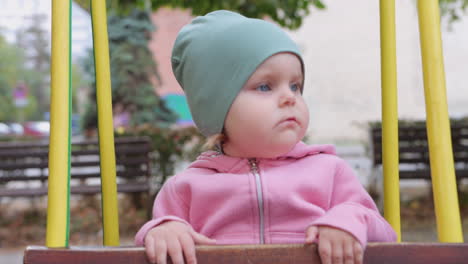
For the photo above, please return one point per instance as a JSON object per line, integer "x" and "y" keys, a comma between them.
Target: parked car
{"x": 37, "y": 128}
{"x": 16, "y": 129}
{"x": 4, "y": 129}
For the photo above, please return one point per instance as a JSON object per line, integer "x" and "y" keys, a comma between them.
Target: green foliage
{"x": 25, "y": 62}
{"x": 9, "y": 66}
{"x": 287, "y": 13}
{"x": 13, "y": 71}
{"x": 121, "y": 6}
{"x": 79, "y": 84}
{"x": 453, "y": 9}
{"x": 34, "y": 41}
{"x": 170, "y": 146}
{"x": 132, "y": 72}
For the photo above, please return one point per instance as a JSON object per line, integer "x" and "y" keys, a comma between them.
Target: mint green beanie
{"x": 215, "y": 55}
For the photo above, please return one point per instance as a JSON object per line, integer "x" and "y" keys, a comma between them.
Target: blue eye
{"x": 263, "y": 88}
{"x": 295, "y": 87}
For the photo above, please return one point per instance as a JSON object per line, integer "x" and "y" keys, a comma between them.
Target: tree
{"x": 79, "y": 86}
{"x": 12, "y": 72}
{"x": 453, "y": 9}
{"x": 132, "y": 72}
{"x": 34, "y": 41}
{"x": 286, "y": 13}
{"x": 9, "y": 64}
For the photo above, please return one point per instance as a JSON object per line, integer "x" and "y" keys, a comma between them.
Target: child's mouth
{"x": 289, "y": 121}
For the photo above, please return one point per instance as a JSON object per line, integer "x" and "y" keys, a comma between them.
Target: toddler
{"x": 244, "y": 80}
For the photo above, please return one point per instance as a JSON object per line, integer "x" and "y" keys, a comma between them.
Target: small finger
{"x": 200, "y": 239}
{"x": 150, "y": 249}
{"x": 337, "y": 253}
{"x": 161, "y": 252}
{"x": 358, "y": 253}
{"x": 348, "y": 253}
{"x": 311, "y": 234}
{"x": 175, "y": 251}
{"x": 188, "y": 247}
{"x": 325, "y": 251}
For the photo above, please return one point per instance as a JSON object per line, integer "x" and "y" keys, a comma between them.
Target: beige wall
{"x": 342, "y": 54}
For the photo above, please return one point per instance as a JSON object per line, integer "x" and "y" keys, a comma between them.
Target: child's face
{"x": 269, "y": 115}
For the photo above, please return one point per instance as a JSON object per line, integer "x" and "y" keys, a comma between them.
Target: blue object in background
{"x": 178, "y": 104}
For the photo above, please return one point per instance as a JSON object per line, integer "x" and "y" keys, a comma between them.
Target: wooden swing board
{"x": 378, "y": 253}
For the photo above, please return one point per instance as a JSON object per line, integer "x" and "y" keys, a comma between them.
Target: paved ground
{"x": 11, "y": 256}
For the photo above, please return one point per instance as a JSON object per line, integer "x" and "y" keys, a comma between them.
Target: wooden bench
{"x": 414, "y": 151}
{"x": 24, "y": 167}
{"x": 375, "y": 253}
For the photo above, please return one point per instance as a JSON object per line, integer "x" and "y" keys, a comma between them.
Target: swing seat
{"x": 375, "y": 253}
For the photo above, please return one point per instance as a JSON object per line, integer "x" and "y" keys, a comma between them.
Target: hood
{"x": 223, "y": 163}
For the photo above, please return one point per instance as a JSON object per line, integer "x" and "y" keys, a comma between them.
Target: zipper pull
{"x": 253, "y": 165}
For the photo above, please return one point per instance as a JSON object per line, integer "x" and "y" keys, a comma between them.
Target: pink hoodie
{"x": 252, "y": 201}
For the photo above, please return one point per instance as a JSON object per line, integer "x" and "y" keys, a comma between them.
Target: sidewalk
{"x": 11, "y": 256}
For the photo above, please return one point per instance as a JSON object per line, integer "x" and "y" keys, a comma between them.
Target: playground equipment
{"x": 446, "y": 203}
{"x": 438, "y": 126}
{"x": 59, "y": 157}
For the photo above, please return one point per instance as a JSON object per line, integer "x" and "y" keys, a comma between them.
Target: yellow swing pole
{"x": 105, "y": 124}
{"x": 389, "y": 115}
{"x": 438, "y": 125}
{"x": 59, "y": 158}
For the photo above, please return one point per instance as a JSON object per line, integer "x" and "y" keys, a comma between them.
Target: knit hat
{"x": 215, "y": 55}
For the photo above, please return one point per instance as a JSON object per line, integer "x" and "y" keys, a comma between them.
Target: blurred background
{"x": 340, "y": 42}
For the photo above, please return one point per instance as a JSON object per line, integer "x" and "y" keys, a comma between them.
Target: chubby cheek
{"x": 247, "y": 136}
{"x": 306, "y": 120}
{"x": 251, "y": 129}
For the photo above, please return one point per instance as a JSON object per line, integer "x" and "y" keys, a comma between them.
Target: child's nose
{"x": 287, "y": 98}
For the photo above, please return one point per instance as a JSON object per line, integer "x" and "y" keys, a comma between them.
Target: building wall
{"x": 342, "y": 54}
{"x": 168, "y": 22}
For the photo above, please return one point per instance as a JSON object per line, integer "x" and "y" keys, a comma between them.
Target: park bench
{"x": 24, "y": 167}
{"x": 414, "y": 152}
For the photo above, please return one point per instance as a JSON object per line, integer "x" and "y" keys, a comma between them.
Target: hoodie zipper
{"x": 254, "y": 169}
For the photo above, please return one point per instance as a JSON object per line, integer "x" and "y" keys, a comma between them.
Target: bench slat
{"x": 81, "y": 189}
{"x": 376, "y": 253}
{"x": 121, "y": 174}
{"x": 44, "y": 153}
{"x": 413, "y": 152}
{"x": 91, "y": 142}
{"x": 132, "y": 164}
{"x": 127, "y": 161}
{"x": 420, "y": 149}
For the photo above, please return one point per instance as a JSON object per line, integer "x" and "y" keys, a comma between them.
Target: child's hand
{"x": 177, "y": 240}
{"x": 335, "y": 246}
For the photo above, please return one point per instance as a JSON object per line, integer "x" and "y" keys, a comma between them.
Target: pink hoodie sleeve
{"x": 168, "y": 206}
{"x": 353, "y": 210}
